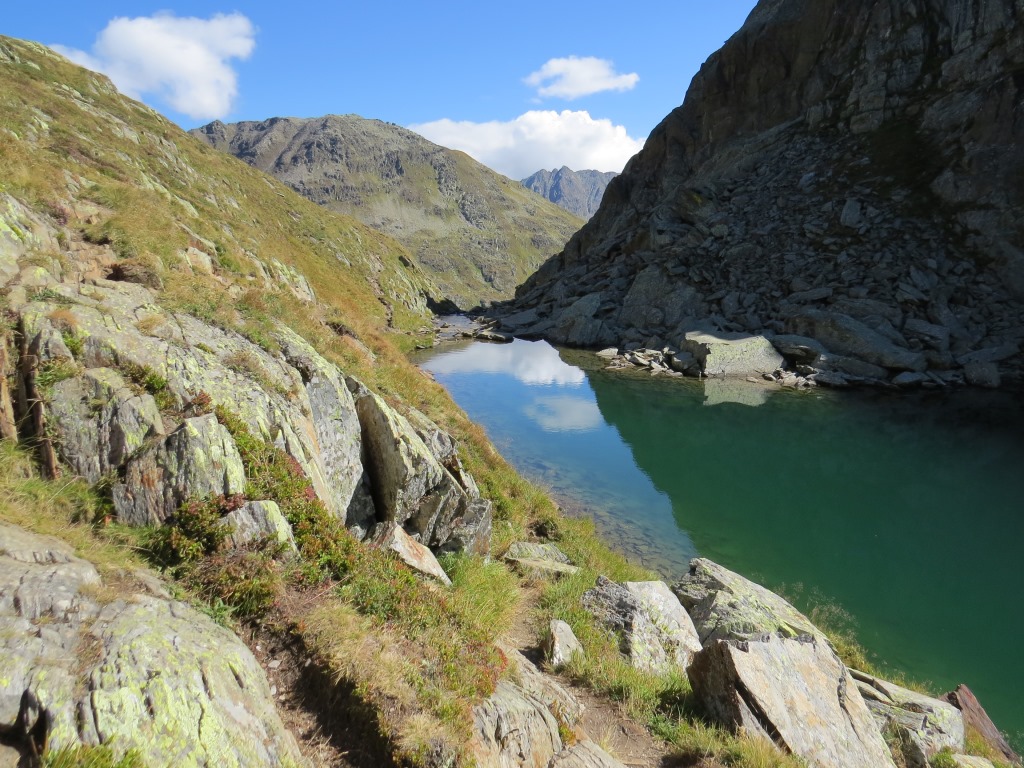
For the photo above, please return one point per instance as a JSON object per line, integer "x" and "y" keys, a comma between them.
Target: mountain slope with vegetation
{"x": 238, "y": 527}
{"x": 477, "y": 233}
{"x": 579, "y": 192}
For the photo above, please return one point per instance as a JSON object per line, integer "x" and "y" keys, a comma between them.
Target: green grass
{"x": 91, "y": 757}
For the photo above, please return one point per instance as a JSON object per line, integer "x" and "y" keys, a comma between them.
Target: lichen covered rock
{"x": 925, "y": 725}
{"x": 140, "y": 672}
{"x": 655, "y": 632}
{"x": 794, "y": 692}
{"x": 99, "y": 421}
{"x": 725, "y": 605}
{"x": 196, "y": 460}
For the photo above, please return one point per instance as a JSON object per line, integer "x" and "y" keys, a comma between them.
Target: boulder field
{"x": 842, "y": 171}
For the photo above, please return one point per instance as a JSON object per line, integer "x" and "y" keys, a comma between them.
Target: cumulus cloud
{"x": 576, "y": 76}
{"x": 537, "y": 139}
{"x": 182, "y": 60}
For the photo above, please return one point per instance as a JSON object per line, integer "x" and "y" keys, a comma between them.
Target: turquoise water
{"x": 908, "y": 512}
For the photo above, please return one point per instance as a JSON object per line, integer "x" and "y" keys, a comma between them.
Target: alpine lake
{"x": 902, "y": 511}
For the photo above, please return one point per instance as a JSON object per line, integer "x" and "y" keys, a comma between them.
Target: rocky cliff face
{"x": 579, "y": 192}
{"x": 476, "y": 232}
{"x": 832, "y": 163}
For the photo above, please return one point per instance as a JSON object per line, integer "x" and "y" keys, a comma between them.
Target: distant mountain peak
{"x": 578, "y": 192}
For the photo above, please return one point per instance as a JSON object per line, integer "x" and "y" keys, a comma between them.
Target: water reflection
{"x": 903, "y": 511}
{"x": 535, "y": 363}
{"x": 718, "y": 391}
{"x": 563, "y": 413}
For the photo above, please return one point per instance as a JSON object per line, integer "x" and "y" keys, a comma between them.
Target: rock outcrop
{"x": 533, "y": 723}
{"x": 924, "y": 725}
{"x": 138, "y": 671}
{"x": 727, "y": 606}
{"x": 655, "y": 632}
{"x": 366, "y": 461}
{"x": 578, "y": 192}
{"x": 793, "y": 691}
{"x": 475, "y": 233}
{"x": 846, "y": 171}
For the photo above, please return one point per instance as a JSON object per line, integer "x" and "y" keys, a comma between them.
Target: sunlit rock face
{"x": 859, "y": 159}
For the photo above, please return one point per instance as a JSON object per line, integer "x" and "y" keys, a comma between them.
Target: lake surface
{"x": 907, "y": 511}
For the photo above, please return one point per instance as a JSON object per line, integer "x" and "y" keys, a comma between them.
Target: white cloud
{"x": 182, "y": 60}
{"x": 576, "y": 76}
{"x": 536, "y": 140}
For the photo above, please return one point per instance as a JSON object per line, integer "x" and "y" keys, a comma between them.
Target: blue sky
{"x": 519, "y": 86}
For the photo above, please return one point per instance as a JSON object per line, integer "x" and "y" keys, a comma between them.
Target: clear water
{"x": 908, "y": 512}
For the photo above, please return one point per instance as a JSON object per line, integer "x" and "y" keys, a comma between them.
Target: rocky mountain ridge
{"x": 578, "y": 192}
{"x": 475, "y": 232}
{"x": 843, "y": 172}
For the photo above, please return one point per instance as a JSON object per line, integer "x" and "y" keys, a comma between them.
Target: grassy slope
{"x": 476, "y": 232}
{"x": 70, "y": 140}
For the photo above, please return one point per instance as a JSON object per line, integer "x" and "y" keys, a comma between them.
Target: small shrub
{"x": 50, "y": 295}
{"x": 148, "y": 324}
{"x": 53, "y": 371}
{"x": 200, "y": 405}
{"x": 152, "y": 382}
{"x": 194, "y": 531}
{"x": 246, "y": 581}
{"x": 943, "y": 759}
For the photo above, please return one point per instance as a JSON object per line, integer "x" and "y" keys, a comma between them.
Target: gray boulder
{"x": 846, "y": 336}
{"x": 925, "y": 725}
{"x": 160, "y": 678}
{"x": 731, "y": 354}
{"x": 577, "y": 324}
{"x": 566, "y": 708}
{"x": 198, "y": 459}
{"x": 794, "y": 692}
{"x": 255, "y": 520}
{"x": 393, "y": 537}
{"x": 99, "y": 422}
{"x": 561, "y": 644}
{"x": 725, "y": 605}
{"x": 540, "y": 560}
{"x": 514, "y": 728}
{"x": 654, "y": 630}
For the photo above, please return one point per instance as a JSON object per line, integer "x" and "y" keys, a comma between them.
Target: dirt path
{"x": 604, "y": 721}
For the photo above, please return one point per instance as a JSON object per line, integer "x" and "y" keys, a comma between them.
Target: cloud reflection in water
{"x": 564, "y": 413}
{"x": 535, "y": 363}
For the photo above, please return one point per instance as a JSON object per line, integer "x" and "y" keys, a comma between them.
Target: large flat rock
{"x": 796, "y": 693}
{"x": 731, "y": 354}
{"x": 158, "y": 676}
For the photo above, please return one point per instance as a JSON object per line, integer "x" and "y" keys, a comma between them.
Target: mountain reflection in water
{"x": 904, "y": 511}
